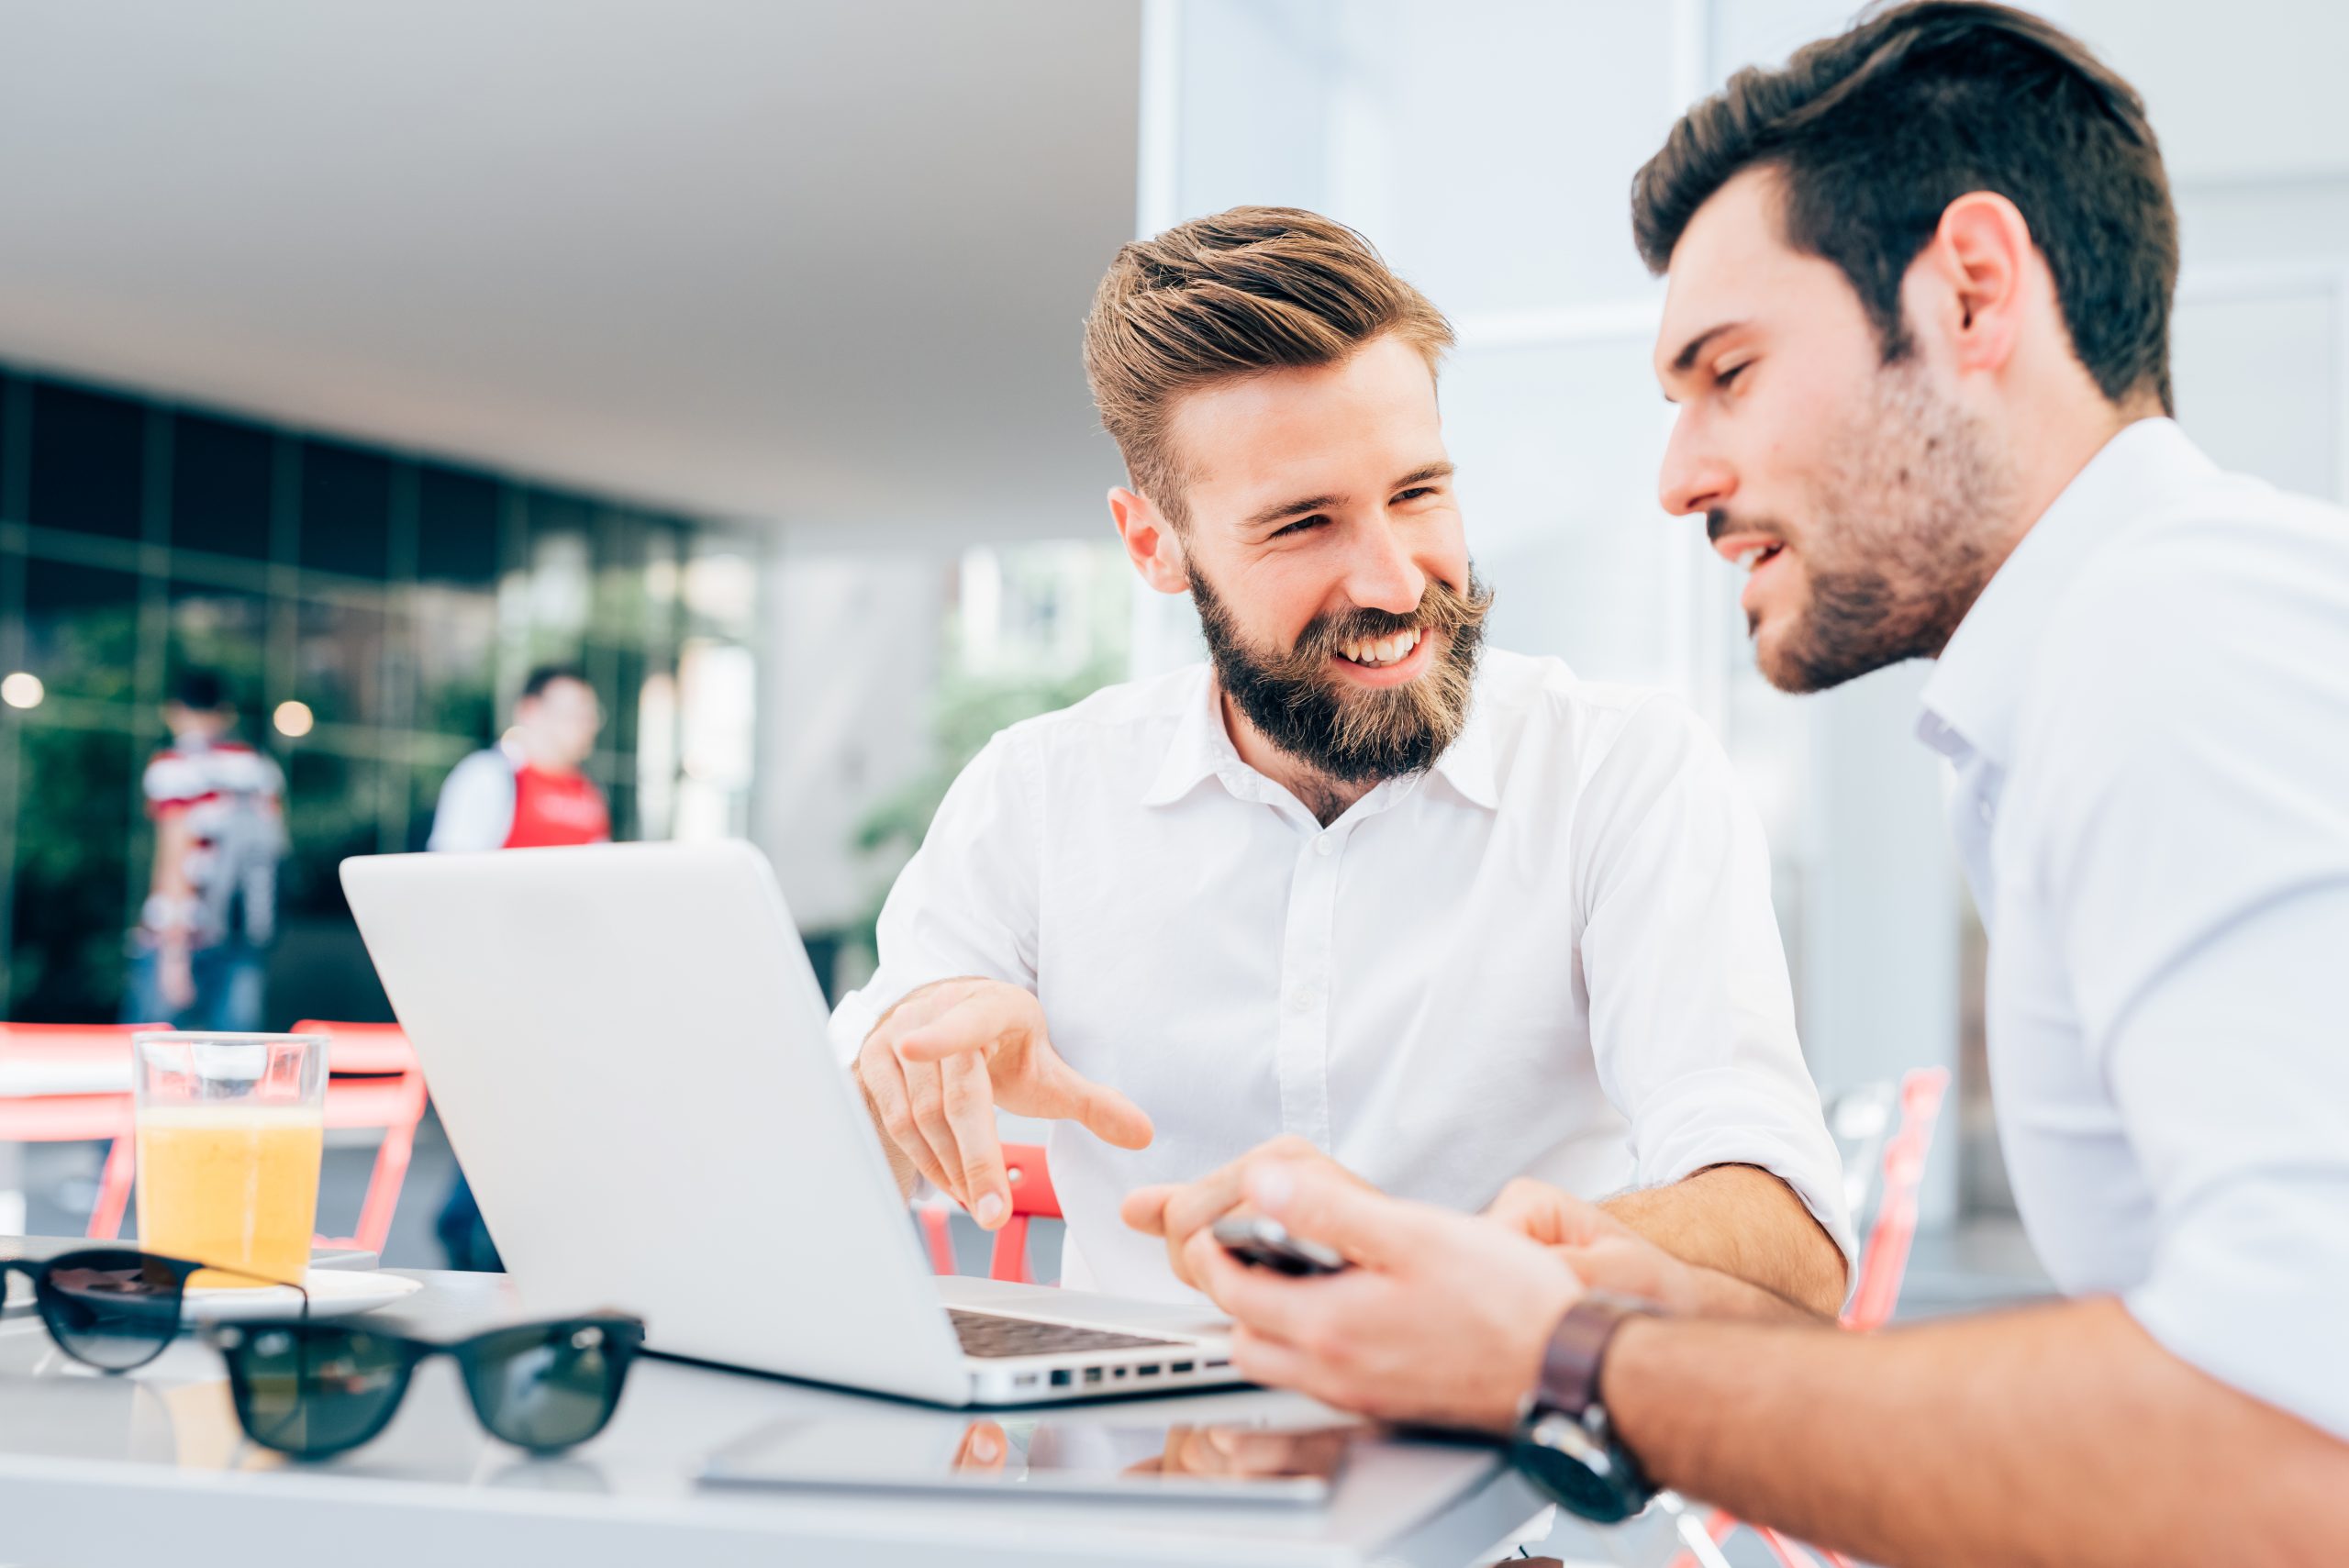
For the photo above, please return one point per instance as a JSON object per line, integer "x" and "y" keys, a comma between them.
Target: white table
{"x": 150, "y": 1468}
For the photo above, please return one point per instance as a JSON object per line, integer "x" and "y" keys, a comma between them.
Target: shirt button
{"x": 1324, "y": 844}
{"x": 1301, "y": 999}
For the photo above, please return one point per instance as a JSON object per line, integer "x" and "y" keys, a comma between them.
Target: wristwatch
{"x": 1564, "y": 1444}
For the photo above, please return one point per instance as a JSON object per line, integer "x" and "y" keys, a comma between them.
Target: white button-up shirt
{"x": 1553, "y": 953}
{"x": 2148, "y": 710}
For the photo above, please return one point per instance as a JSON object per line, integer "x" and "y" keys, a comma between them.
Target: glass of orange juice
{"x": 230, "y": 1126}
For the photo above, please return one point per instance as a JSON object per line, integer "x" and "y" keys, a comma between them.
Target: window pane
{"x": 227, "y": 633}
{"x": 77, "y": 834}
{"x": 220, "y": 486}
{"x": 346, "y": 510}
{"x": 340, "y": 660}
{"x": 459, "y": 521}
{"x": 621, "y": 609}
{"x": 456, "y": 650}
{"x": 333, "y": 809}
{"x": 82, "y": 629}
{"x": 87, "y": 457}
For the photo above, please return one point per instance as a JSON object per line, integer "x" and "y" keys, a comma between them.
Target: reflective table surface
{"x": 151, "y": 1467}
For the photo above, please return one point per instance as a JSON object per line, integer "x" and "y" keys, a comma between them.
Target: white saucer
{"x": 334, "y": 1292}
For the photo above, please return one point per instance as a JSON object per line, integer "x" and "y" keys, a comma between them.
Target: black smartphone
{"x": 1265, "y": 1243}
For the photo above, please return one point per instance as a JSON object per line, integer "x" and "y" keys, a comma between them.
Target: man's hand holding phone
{"x": 1177, "y": 1211}
{"x": 939, "y": 1064}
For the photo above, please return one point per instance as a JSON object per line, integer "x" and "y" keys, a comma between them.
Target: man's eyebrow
{"x": 1288, "y": 508}
{"x": 1273, "y": 514}
{"x": 1686, "y": 360}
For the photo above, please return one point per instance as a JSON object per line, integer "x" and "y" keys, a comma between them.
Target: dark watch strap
{"x": 1570, "y": 1366}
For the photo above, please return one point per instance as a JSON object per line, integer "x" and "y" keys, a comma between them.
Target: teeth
{"x": 1747, "y": 557}
{"x": 1378, "y": 651}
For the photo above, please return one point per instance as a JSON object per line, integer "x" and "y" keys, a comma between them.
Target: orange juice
{"x": 231, "y": 1185}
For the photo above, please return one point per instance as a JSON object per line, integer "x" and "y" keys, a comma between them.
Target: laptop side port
{"x": 1092, "y": 1374}
{"x": 1149, "y": 1371}
{"x": 1179, "y": 1368}
{"x": 1025, "y": 1380}
{"x": 1218, "y": 1367}
{"x": 1060, "y": 1378}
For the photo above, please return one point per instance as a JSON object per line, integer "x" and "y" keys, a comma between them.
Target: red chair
{"x": 374, "y": 1081}
{"x": 1884, "y": 1263}
{"x": 78, "y": 1058}
{"x": 1032, "y": 1197}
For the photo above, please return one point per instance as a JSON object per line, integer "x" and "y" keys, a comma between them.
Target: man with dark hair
{"x": 528, "y": 791}
{"x": 197, "y": 957}
{"x": 1917, "y": 330}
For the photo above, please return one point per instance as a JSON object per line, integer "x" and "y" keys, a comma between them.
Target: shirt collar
{"x": 1201, "y": 749}
{"x": 1978, "y": 684}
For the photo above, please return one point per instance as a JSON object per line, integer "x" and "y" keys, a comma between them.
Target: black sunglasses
{"x": 115, "y": 1307}
{"x": 316, "y": 1389}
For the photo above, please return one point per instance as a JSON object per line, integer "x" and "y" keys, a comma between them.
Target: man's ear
{"x": 1152, "y": 543}
{"x": 1979, "y": 265}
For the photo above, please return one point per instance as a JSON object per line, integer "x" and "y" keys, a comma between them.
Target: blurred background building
{"x": 730, "y": 348}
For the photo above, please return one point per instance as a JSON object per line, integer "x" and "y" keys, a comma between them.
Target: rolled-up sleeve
{"x": 1692, "y": 1016}
{"x": 966, "y": 903}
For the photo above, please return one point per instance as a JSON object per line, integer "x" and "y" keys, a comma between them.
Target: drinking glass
{"x": 230, "y": 1126}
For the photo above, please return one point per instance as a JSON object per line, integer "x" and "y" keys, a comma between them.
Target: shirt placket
{"x": 1302, "y": 1055}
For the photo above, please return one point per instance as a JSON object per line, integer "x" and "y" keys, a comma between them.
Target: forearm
{"x": 2059, "y": 1435}
{"x": 1743, "y": 1222}
{"x": 171, "y": 902}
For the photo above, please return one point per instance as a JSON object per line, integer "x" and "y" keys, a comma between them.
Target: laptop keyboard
{"x": 987, "y": 1335}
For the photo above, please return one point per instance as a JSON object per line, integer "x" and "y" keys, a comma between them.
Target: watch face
{"x": 1591, "y": 1482}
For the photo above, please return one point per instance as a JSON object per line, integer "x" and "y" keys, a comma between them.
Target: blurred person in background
{"x": 198, "y": 955}
{"x": 528, "y": 791}
{"x": 1917, "y": 330}
{"x": 1357, "y": 882}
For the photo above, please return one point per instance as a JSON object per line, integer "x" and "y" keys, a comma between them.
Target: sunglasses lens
{"x": 111, "y": 1306}
{"x": 314, "y": 1390}
{"x": 549, "y": 1385}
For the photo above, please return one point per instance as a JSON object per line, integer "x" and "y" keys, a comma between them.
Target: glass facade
{"x": 372, "y": 612}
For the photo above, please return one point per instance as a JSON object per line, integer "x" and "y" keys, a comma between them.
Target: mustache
{"x": 1441, "y": 608}
{"x": 1718, "y": 523}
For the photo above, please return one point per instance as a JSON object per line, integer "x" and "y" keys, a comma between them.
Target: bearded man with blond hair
{"x": 1359, "y": 883}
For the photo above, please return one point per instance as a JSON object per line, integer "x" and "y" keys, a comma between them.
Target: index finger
{"x": 972, "y": 1024}
{"x": 1192, "y": 1208}
{"x": 1145, "y": 1208}
{"x": 1204, "y": 1201}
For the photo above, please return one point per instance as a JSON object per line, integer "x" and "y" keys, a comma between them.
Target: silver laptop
{"x": 627, "y": 1046}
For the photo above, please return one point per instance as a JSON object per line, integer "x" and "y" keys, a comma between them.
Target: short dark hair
{"x": 546, "y": 675}
{"x": 201, "y": 691}
{"x": 1878, "y": 129}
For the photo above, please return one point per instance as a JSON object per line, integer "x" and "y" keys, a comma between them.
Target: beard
{"x": 1353, "y": 736}
{"x": 1907, "y": 499}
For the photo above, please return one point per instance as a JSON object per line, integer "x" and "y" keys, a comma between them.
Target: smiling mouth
{"x": 1755, "y": 555}
{"x": 1381, "y": 652}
